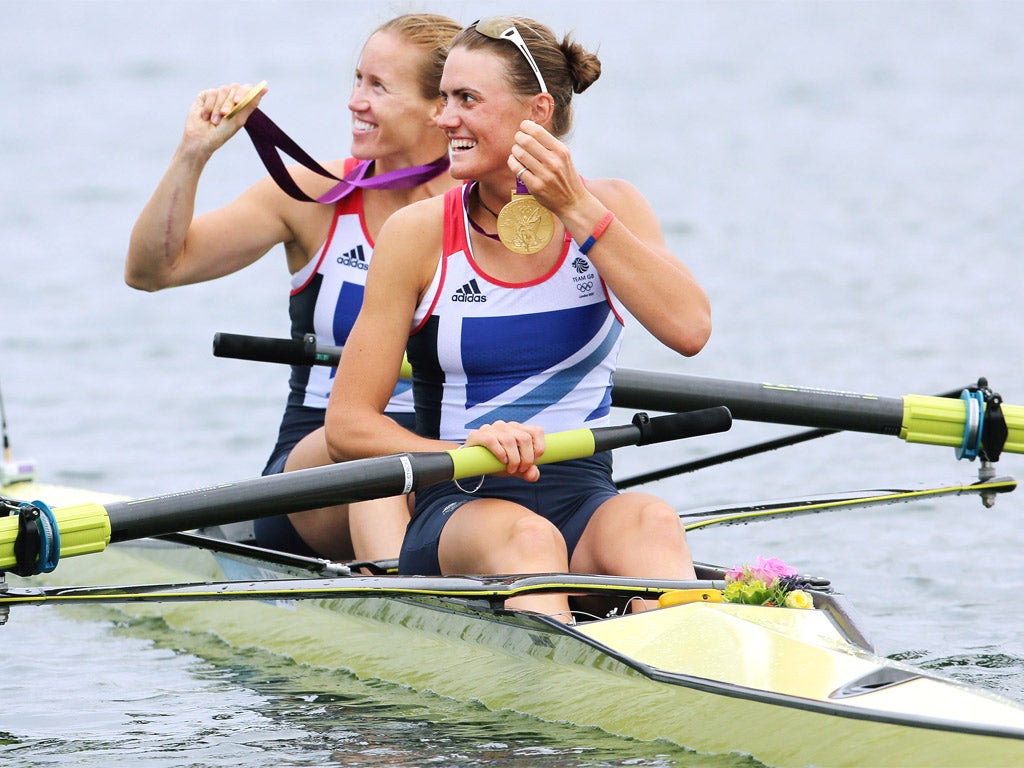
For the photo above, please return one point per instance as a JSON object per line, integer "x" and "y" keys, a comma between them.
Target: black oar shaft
{"x": 739, "y": 453}
{"x": 647, "y": 390}
{"x": 277, "y": 494}
{"x": 375, "y": 478}
{"x": 797, "y": 406}
{"x": 87, "y": 528}
{"x": 978, "y": 424}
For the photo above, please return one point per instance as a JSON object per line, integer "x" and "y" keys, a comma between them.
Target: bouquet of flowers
{"x": 769, "y": 581}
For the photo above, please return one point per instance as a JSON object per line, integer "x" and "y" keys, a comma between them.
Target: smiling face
{"x": 481, "y": 114}
{"x": 390, "y": 116}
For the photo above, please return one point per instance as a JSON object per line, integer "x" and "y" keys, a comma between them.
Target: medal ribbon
{"x": 473, "y": 224}
{"x": 268, "y": 138}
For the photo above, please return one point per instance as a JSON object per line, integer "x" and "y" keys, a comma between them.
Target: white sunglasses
{"x": 502, "y": 28}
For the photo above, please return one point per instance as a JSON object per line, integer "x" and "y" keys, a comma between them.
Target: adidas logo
{"x": 354, "y": 258}
{"x": 469, "y": 292}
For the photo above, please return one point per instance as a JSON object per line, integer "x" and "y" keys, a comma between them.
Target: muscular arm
{"x": 404, "y": 258}
{"x": 168, "y": 246}
{"x": 632, "y": 256}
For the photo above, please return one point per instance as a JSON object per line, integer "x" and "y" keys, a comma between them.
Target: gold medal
{"x": 252, "y": 94}
{"x": 524, "y": 225}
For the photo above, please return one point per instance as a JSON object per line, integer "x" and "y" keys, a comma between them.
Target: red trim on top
{"x": 455, "y": 238}
{"x": 352, "y": 203}
{"x": 493, "y": 280}
{"x": 611, "y": 304}
{"x": 449, "y": 244}
{"x": 437, "y": 296}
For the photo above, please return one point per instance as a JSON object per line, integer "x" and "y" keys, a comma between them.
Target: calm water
{"x": 843, "y": 177}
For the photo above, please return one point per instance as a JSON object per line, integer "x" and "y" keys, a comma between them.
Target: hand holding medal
{"x": 255, "y": 91}
{"x": 524, "y": 225}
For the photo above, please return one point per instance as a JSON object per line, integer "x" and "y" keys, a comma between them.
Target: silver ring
{"x": 520, "y": 174}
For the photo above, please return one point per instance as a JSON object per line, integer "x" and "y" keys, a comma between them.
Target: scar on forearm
{"x": 169, "y": 228}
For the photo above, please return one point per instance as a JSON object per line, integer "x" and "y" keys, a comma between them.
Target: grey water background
{"x": 845, "y": 178}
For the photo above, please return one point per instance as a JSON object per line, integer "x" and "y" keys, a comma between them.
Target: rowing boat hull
{"x": 717, "y": 678}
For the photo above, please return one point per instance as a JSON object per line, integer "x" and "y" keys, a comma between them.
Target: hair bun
{"x": 584, "y": 66}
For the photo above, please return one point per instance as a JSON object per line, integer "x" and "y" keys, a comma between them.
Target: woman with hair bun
{"x": 508, "y": 292}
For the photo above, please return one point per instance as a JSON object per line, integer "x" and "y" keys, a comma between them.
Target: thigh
{"x": 434, "y": 508}
{"x": 575, "y": 491}
{"x": 419, "y": 546}
{"x": 500, "y": 536}
{"x": 298, "y": 422}
{"x": 310, "y": 451}
{"x": 302, "y": 441}
{"x": 635, "y": 534}
{"x": 378, "y": 526}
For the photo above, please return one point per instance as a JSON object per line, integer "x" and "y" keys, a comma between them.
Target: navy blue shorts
{"x": 278, "y": 532}
{"x": 568, "y": 493}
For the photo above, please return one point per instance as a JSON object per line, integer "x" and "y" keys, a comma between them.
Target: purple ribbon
{"x": 473, "y": 224}
{"x": 268, "y": 138}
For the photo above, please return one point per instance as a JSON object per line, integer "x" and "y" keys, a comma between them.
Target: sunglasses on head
{"x": 502, "y": 28}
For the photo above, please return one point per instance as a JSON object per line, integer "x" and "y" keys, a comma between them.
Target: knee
{"x": 658, "y": 521}
{"x": 534, "y": 539}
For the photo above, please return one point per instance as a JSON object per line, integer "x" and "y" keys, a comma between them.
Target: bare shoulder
{"x": 614, "y": 192}
{"x": 420, "y": 221}
{"x": 410, "y": 242}
{"x": 306, "y": 224}
{"x": 628, "y": 203}
{"x": 431, "y": 209}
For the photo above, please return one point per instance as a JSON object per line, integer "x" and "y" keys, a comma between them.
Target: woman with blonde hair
{"x": 328, "y": 247}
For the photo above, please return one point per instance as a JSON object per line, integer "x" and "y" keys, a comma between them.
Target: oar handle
{"x": 577, "y": 443}
{"x": 304, "y": 351}
{"x": 86, "y": 528}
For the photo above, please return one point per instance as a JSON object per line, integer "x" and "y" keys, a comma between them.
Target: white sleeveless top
{"x": 326, "y": 296}
{"x": 481, "y": 349}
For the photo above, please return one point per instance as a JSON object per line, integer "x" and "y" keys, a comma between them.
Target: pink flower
{"x": 734, "y": 574}
{"x": 768, "y": 582}
{"x": 771, "y": 568}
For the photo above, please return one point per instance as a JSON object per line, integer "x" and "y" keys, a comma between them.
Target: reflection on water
{"x": 227, "y": 706}
{"x": 998, "y": 672}
{"x": 163, "y": 692}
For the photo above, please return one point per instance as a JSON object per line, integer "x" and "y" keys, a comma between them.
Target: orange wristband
{"x": 602, "y": 225}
